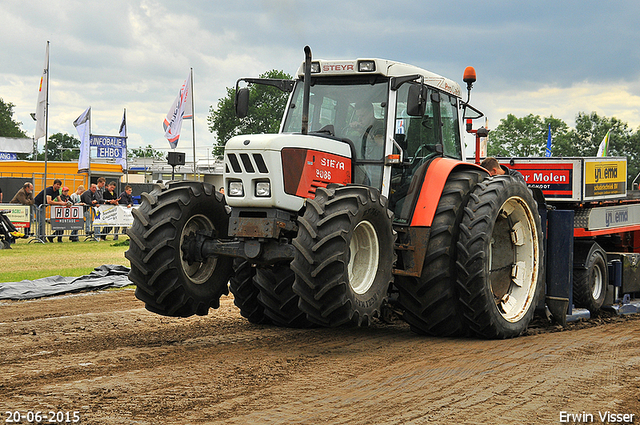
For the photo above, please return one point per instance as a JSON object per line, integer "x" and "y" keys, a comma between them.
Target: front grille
{"x": 246, "y": 165}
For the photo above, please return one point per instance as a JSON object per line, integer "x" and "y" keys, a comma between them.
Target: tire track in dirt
{"x": 116, "y": 363}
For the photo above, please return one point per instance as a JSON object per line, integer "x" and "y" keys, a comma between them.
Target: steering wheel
{"x": 363, "y": 144}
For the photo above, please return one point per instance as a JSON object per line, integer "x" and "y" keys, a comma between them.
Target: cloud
{"x": 552, "y": 58}
{"x": 607, "y": 99}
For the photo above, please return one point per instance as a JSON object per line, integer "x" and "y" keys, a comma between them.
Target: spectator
{"x": 76, "y": 198}
{"x": 0, "y": 195}
{"x": 495, "y": 169}
{"x": 88, "y": 199}
{"x": 100, "y": 200}
{"x": 66, "y": 199}
{"x": 46, "y": 197}
{"x": 24, "y": 196}
{"x": 110, "y": 197}
{"x": 125, "y": 197}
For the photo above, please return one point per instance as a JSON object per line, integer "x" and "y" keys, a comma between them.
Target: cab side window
{"x": 420, "y": 134}
{"x": 450, "y": 126}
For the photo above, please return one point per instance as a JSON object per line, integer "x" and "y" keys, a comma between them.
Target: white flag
{"x": 83, "y": 126}
{"x": 42, "y": 99}
{"x": 604, "y": 145}
{"x": 122, "y": 159}
{"x": 181, "y": 109}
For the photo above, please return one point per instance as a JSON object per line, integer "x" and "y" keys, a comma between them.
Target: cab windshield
{"x": 353, "y": 110}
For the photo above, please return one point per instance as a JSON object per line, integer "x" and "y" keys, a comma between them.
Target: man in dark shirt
{"x": 111, "y": 198}
{"x": 125, "y": 197}
{"x": 50, "y": 193}
{"x": 47, "y": 197}
{"x": 99, "y": 195}
{"x": 88, "y": 198}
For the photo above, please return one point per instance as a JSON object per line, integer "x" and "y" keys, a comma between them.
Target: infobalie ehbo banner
{"x": 110, "y": 146}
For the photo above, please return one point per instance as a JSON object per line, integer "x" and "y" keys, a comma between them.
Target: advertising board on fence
{"x": 19, "y": 215}
{"x": 66, "y": 218}
{"x": 113, "y": 215}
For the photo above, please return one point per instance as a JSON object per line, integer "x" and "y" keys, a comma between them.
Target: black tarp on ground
{"x": 106, "y": 276}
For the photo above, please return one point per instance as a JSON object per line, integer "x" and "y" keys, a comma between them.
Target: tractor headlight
{"x": 236, "y": 189}
{"x": 263, "y": 189}
{"x": 366, "y": 66}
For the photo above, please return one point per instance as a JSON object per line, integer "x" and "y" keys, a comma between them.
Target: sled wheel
{"x": 277, "y": 297}
{"x": 245, "y": 292}
{"x": 500, "y": 258}
{"x": 166, "y": 283}
{"x": 344, "y": 256}
{"x": 430, "y": 302}
{"x": 590, "y": 275}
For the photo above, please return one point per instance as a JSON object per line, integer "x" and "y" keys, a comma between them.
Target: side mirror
{"x": 242, "y": 102}
{"x": 416, "y": 103}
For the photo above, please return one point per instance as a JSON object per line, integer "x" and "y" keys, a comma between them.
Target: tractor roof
{"x": 321, "y": 68}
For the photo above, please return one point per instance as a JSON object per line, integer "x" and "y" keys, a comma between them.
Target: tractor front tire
{"x": 245, "y": 292}
{"x": 168, "y": 284}
{"x": 344, "y": 256}
{"x": 276, "y": 295}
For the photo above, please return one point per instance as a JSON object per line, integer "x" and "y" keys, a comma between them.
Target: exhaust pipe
{"x": 307, "y": 89}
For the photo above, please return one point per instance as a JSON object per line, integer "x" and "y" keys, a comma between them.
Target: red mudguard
{"x": 432, "y": 187}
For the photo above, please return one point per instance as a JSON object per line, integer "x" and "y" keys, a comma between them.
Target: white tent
{"x": 16, "y": 145}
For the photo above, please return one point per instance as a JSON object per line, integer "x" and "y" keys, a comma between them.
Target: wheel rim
{"x": 598, "y": 282}
{"x": 198, "y": 273}
{"x": 364, "y": 255}
{"x": 514, "y": 259}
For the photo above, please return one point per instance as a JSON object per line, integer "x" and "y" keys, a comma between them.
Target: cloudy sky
{"x": 545, "y": 57}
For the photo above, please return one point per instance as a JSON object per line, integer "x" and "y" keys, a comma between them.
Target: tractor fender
{"x": 432, "y": 186}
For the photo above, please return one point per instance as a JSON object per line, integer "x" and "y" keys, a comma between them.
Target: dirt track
{"x": 105, "y": 356}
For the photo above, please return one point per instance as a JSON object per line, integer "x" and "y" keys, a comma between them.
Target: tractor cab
{"x": 394, "y": 117}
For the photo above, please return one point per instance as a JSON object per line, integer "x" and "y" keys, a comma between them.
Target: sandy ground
{"x": 105, "y": 357}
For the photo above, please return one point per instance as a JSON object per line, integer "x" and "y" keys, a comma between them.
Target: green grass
{"x": 29, "y": 261}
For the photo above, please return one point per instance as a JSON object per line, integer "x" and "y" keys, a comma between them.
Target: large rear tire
{"x": 344, "y": 256}
{"x": 500, "y": 258}
{"x": 590, "y": 275}
{"x": 166, "y": 283}
{"x": 430, "y": 302}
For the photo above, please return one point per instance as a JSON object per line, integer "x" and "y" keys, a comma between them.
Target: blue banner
{"x": 8, "y": 156}
{"x": 109, "y": 146}
{"x": 108, "y": 141}
{"x": 110, "y": 152}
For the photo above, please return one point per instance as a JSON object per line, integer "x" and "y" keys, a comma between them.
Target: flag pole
{"x": 46, "y": 120}
{"x": 193, "y": 125}
{"x": 89, "y": 147}
{"x": 126, "y": 162}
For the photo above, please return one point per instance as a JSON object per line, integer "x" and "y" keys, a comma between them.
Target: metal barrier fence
{"x": 75, "y": 223}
